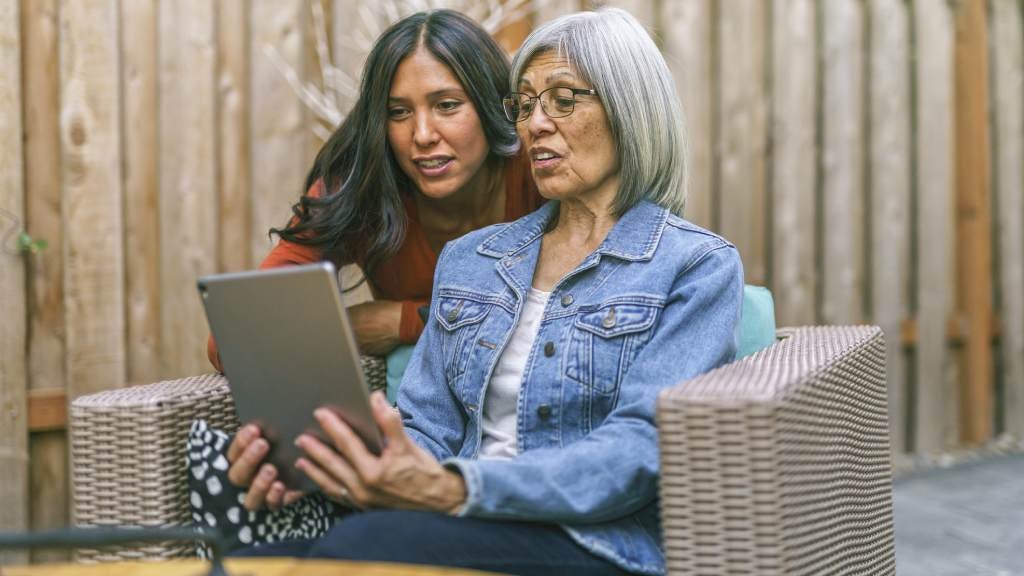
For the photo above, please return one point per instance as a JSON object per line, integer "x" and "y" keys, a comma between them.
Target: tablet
{"x": 287, "y": 348}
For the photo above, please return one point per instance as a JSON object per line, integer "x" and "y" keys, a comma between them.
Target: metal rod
{"x": 101, "y": 537}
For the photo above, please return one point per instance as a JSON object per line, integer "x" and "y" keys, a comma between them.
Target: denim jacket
{"x": 658, "y": 302}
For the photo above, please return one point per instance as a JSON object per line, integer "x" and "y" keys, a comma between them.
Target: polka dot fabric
{"x": 216, "y": 503}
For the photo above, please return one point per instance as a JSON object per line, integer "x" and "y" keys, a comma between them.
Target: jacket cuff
{"x": 474, "y": 482}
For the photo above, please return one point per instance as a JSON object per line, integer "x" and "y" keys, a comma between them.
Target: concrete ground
{"x": 964, "y": 520}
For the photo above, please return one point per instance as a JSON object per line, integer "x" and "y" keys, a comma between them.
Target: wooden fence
{"x": 866, "y": 156}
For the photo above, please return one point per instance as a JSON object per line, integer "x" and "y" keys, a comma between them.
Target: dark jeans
{"x": 405, "y": 536}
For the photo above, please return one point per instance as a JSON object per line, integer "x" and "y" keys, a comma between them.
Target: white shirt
{"x": 502, "y": 397}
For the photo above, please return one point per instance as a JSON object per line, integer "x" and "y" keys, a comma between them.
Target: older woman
{"x": 526, "y": 441}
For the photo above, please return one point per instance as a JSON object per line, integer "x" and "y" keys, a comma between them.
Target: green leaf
{"x": 27, "y": 243}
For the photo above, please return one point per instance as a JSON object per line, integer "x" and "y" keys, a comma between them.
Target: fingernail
{"x": 298, "y": 441}
{"x": 267, "y": 472}
{"x": 319, "y": 413}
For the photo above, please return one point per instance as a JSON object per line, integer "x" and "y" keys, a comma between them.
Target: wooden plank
{"x": 646, "y": 11}
{"x": 141, "y": 189}
{"x": 794, "y": 167}
{"x": 14, "y": 488}
{"x": 246, "y": 566}
{"x": 42, "y": 190}
{"x": 188, "y": 178}
{"x": 349, "y": 55}
{"x": 92, "y": 197}
{"x": 49, "y": 467}
{"x": 889, "y": 188}
{"x": 842, "y": 163}
{"x": 48, "y": 504}
{"x": 742, "y": 132}
{"x": 313, "y": 71}
{"x": 350, "y": 44}
{"x": 511, "y": 36}
{"x": 687, "y": 50}
{"x": 956, "y": 331}
{"x": 935, "y": 414}
{"x": 47, "y": 410}
{"x": 234, "y": 154}
{"x": 974, "y": 220}
{"x": 552, "y": 9}
{"x": 278, "y": 120}
{"x": 1007, "y": 39}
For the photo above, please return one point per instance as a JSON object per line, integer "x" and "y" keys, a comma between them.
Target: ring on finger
{"x": 344, "y": 496}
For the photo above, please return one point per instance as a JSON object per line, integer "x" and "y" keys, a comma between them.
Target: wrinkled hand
{"x": 403, "y": 476}
{"x": 246, "y": 455}
{"x": 376, "y": 325}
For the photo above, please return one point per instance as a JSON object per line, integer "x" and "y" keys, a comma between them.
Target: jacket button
{"x": 567, "y": 300}
{"x": 609, "y": 320}
{"x": 544, "y": 411}
{"x": 549, "y": 349}
{"x": 453, "y": 315}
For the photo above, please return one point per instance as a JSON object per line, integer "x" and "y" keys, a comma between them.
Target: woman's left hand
{"x": 403, "y": 476}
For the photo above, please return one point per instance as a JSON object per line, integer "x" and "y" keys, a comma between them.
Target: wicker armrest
{"x": 779, "y": 463}
{"x": 127, "y": 456}
{"x": 128, "y": 448}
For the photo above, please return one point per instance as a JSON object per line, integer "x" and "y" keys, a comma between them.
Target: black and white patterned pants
{"x": 217, "y": 503}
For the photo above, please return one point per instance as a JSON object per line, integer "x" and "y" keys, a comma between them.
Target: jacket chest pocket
{"x": 460, "y": 320}
{"x": 605, "y": 340}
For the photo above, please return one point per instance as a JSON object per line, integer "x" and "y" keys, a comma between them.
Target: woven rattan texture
{"x": 128, "y": 455}
{"x": 779, "y": 463}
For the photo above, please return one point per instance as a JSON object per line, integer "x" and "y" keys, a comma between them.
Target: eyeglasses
{"x": 557, "y": 102}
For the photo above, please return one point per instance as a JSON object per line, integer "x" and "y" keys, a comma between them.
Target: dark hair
{"x": 361, "y": 208}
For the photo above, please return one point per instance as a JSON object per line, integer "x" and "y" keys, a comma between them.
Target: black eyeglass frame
{"x": 534, "y": 99}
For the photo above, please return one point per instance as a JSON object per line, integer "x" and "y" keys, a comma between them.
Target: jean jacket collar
{"x": 645, "y": 220}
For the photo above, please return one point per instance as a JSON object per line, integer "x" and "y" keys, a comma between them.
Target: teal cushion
{"x": 757, "y": 321}
{"x": 757, "y": 331}
{"x": 397, "y": 360}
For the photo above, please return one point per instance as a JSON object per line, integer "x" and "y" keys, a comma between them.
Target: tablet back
{"x": 286, "y": 348}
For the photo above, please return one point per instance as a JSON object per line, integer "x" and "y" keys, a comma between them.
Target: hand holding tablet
{"x": 287, "y": 350}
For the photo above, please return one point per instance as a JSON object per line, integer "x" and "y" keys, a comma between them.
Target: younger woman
{"x": 425, "y": 156}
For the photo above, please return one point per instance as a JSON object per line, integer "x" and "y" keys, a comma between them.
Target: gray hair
{"x": 613, "y": 52}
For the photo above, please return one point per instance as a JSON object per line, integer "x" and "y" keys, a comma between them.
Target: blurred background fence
{"x": 866, "y": 156}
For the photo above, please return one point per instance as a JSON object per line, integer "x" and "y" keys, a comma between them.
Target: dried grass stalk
{"x": 330, "y": 96}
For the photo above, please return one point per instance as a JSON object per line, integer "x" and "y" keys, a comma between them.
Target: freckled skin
{"x": 585, "y": 179}
{"x": 589, "y": 169}
{"x": 429, "y": 113}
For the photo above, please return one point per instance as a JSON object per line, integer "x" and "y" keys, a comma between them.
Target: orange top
{"x": 408, "y": 276}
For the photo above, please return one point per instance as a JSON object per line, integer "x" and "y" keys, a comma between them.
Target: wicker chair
{"x": 778, "y": 463}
